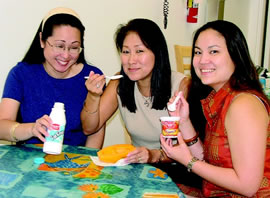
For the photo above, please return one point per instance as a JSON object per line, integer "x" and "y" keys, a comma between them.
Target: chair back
{"x": 183, "y": 58}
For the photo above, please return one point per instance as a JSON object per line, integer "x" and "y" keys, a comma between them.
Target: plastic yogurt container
{"x": 170, "y": 126}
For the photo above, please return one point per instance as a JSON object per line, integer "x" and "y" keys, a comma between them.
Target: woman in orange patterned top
{"x": 236, "y": 116}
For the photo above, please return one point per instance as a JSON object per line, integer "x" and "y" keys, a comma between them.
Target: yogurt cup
{"x": 170, "y": 126}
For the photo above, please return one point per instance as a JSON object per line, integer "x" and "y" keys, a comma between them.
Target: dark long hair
{"x": 243, "y": 78}
{"x": 35, "y": 55}
{"x": 153, "y": 39}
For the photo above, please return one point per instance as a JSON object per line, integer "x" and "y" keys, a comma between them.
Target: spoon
{"x": 172, "y": 106}
{"x": 109, "y": 77}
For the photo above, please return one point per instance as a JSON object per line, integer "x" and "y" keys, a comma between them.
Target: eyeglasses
{"x": 61, "y": 48}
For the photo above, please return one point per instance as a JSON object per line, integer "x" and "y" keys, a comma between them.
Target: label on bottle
{"x": 56, "y": 133}
{"x": 267, "y": 83}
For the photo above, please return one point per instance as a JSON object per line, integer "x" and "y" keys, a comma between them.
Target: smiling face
{"x": 212, "y": 62}
{"x": 137, "y": 60}
{"x": 58, "y": 63}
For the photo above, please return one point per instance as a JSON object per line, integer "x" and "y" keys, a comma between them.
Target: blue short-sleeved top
{"x": 37, "y": 92}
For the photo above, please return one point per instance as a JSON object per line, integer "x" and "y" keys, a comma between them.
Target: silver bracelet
{"x": 191, "y": 163}
{"x": 84, "y": 108}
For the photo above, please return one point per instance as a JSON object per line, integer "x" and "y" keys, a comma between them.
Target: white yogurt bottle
{"x": 54, "y": 142}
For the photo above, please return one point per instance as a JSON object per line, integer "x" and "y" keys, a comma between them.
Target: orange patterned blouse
{"x": 217, "y": 150}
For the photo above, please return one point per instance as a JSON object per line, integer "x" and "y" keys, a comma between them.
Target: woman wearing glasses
{"x": 52, "y": 70}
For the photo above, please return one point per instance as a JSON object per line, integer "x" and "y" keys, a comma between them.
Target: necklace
{"x": 147, "y": 101}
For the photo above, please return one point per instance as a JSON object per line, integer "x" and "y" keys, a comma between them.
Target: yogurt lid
{"x": 168, "y": 118}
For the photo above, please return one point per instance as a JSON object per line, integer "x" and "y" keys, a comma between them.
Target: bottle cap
{"x": 39, "y": 160}
{"x": 58, "y": 105}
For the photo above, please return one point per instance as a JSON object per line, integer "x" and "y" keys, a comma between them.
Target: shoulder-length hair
{"x": 244, "y": 76}
{"x": 35, "y": 54}
{"x": 152, "y": 37}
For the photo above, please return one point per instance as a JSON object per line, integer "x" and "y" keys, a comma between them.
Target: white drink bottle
{"x": 54, "y": 142}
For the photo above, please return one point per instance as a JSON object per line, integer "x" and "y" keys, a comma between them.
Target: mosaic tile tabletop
{"x": 73, "y": 174}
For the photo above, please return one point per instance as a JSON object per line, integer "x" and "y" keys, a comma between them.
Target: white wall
{"x": 249, "y": 16}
